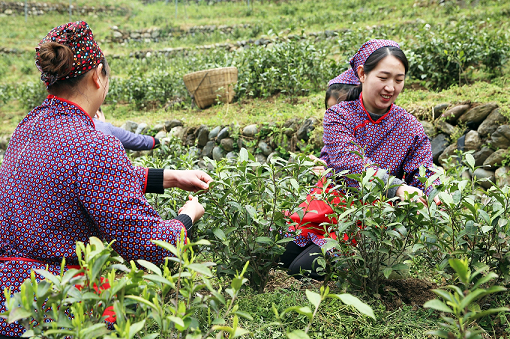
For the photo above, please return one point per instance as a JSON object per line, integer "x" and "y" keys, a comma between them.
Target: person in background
{"x": 393, "y": 142}
{"x": 339, "y": 87}
{"x": 130, "y": 140}
{"x": 62, "y": 181}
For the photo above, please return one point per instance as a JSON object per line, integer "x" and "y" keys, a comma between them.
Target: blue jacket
{"x": 130, "y": 140}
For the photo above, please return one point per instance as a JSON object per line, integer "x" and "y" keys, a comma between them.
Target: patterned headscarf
{"x": 366, "y": 50}
{"x": 348, "y": 77}
{"x": 77, "y": 36}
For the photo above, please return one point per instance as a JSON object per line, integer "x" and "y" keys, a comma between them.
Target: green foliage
{"x": 170, "y": 296}
{"x": 162, "y": 301}
{"x": 443, "y": 56}
{"x": 461, "y": 303}
{"x": 379, "y": 234}
{"x": 245, "y": 216}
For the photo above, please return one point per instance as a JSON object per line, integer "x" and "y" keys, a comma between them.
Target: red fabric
{"x": 109, "y": 313}
{"x": 317, "y": 212}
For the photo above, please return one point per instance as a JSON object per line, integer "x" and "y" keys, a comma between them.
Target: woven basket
{"x": 205, "y": 87}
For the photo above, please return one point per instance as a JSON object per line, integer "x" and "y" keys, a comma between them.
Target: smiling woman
{"x": 366, "y": 130}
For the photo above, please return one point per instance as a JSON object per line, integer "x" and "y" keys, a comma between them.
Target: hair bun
{"x": 55, "y": 59}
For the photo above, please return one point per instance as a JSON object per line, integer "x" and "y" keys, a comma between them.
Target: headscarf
{"x": 77, "y": 36}
{"x": 348, "y": 77}
{"x": 366, "y": 50}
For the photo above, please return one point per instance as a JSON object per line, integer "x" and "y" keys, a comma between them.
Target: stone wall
{"x": 41, "y": 8}
{"x": 244, "y": 44}
{"x": 480, "y": 128}
{"x": 160, "y": 34}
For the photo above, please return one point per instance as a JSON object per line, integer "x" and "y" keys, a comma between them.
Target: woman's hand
{"x": 193, "y": 209}
{"x": 410, "y": 190}
{"x": 319, "y": 170}
{"x": 188, "y": 180}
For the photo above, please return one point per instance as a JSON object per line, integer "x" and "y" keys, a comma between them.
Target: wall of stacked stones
{"x": 156, "y": 34}
{"x": 41, "y": 8}
{"x": 479, "y": 128}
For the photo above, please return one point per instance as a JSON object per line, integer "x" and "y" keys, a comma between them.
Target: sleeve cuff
{"x": 392, "y": 191}
{"x": 155, "y": 181}
{"x": 186, "y": 220}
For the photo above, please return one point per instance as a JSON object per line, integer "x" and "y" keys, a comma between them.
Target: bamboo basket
{"x": 205, "y": 87}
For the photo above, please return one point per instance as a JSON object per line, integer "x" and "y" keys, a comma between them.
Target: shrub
{"x": 245, "y": 217}
{"x": 461, "y": 302}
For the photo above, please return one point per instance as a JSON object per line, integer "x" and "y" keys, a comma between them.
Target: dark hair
{"x": 57, "y": 59}
{"x": 372, "y": 62}
{"x": 337, "y": 91}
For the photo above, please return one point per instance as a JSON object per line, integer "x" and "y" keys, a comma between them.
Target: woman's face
{"x": 382, "y": 85}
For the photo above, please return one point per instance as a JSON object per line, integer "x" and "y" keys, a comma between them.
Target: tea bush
{"x": 176, "y": 299}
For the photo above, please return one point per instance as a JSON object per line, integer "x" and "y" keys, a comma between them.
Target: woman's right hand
{"x": 411, "y": 190}
{"x": 193, "y": 209}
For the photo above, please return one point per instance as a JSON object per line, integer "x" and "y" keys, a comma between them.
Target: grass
{"x": 295, "y": 16}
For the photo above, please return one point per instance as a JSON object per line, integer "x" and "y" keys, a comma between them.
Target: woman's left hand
{"x": 188, "y": 180}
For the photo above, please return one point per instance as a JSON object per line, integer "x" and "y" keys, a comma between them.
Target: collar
{"x": 368, "y": 115}
{"x": 51, "y": 97}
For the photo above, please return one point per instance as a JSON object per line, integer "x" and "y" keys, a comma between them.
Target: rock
{"x": 495, "y": 159}
{"x": 472, "y": 142}
{"x": 265, "y": 148}
{"x": 129, "y": 126}
{"x": 227, "y": 144}
{"x": 134, "y": 35}
{"x": 486, "y": 176}
{"x": 177, "y": 131}
{"x": 461, "y": 143}
{"x": 214, "y": 133}
{"x": 160, "y": 135}
{"x": 317, "y": 139}
{"x": 218, "y": 153}
{"x": 203, "y": 136}
{"x": 158, "y": 127}
{"x": 454, "y": 113}
{"x": 207, "y": 151}
{"x": 448, "y": 152}
{"x": 291, "y": 126}
{"x": 172, "y": 123}
{"x": 482, "y": 155}
{"x": 307, "y": 127}
{"x": 231, "y": 155}
{"x": 491, "y": 123}
{"x": 439, "y": 109}
{"x": 224, "y": 133}
{"x": 429, "y": 129}
{"x": 117, "y": 35}
{"x": 477, "y": 114}
{"x": 260, "y": 158}
{"x": 501, "y": 137}
{"x": 190, "y": 138}
{"x": 465, "y": 175}
{"x": 444, "y": 127}
{"x": 250, "y": 130}
{"x": 502, "y": 176}
{"x": 439, "y": 144}
{"x": 142, "y": 128}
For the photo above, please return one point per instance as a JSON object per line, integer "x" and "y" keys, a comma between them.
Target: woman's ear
{"x": 361, "y": 73}
{"x": 96, "y": 78}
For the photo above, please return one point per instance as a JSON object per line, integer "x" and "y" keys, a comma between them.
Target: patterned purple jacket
{"x": 62, "y": 182}
{"x": 395, "y": 142}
